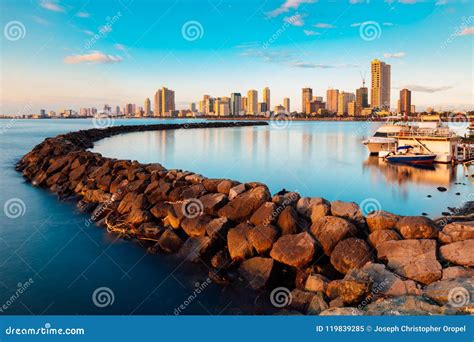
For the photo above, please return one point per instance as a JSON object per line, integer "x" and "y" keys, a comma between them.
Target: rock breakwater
{"x": 328, "y": 257}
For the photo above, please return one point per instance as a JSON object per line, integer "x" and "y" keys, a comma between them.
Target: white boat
{"x": 383, "y": 139}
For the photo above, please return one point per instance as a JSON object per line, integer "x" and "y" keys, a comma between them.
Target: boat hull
{"x": 415, "y": 160}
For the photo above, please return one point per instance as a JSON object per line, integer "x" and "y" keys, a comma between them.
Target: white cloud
{"x": 96, "y": 57}
{"x": 426, "y": 89}
{"x": 295, "y": 20}
{"x": 83, "y": 15}
{"x": 323, "y": 25}
{"x": 467, "y": 31}
{"x": 288, "y": 5}
{"x": 394, "y": 55}
{"x": 322, "y": 66}
{"x": 311, "y": 33}
{"x": 51, "y": 6}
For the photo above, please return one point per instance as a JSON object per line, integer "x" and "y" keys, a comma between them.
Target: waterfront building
{"x": 129, "y": 109}
{"x": 286, "y": 104}
{"x": 235, "y": 104}
{"x": 314, "y": 107}
{"x": 405, "y": 102}
{"x": 332, "y": 96}
{"x": 224, "y": 109}
{"x": 193, "y": 107}
{"x": 317, "y": 98}
{"x": 413, "y": 109}
{"x": 381, "y": 83}
{"x": 164, "y": 102}
{"x": 343, "y": 101}
{"x": 266, "y": 97}
{"x": 157, "y": 104}
{"x": 307, "y": 97}
{"x": 209, "y": 102}
{"x": 245, "y": 104}
{"x": 351, "y": 108}
{"x": 362, "y": 99}
{"x": 280, "y": 109}
{"x": 147, "y": 107}
{"x": 117, "y": 110}
{"x": 252, "y": 96}
{"x": 262, "y": 107}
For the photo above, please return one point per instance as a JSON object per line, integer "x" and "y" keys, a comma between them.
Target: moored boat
{"x": 406, "y": 155}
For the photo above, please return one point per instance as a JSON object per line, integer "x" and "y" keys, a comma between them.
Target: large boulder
{"x": 131, "y": 201}
{"x": 294, "y": 250}
{"x": 454, "y": 272}
{"x": 350, "y": 291}
{"x": 457, "y": 231}
{"x": 285, "y": 198}
{"x": 262, "y": 238}
{"x": 289, "y": 222}
{"x": 236, "y": 190}
{"x": 350, "y": 253}
{"x": 243, "y": 206}
{"x": 414, "y": 259}
{"x": 329, "y": 230}
{"x": 459, "y": 253}
{"x": 300, "y": 300}
{"x": 239, "y": 246}
{"x": 265, "y": 214}
{"x": 256, "y": 271}
{"x": 317, "y": 304}
{"x": 313, "y": 208}
{"x": 194, "y": 248}
{"x": 378, "y": 236}
{"x": 212, "y": 202}
{"x": 169, "y": 242}
{"x": 217, "y": 228}
{"x": 453, "y": 292}
{"x": 403, "y": 305}
{"x": 225, "y": 186}
{"x": 196, "y": 226}
{"x": 417, "y": 227}
{"x": 345, "y": 311}
{"x": 349, "y": 211}
{"x": 381, "y": 219}
{"x": 316, "y": 283}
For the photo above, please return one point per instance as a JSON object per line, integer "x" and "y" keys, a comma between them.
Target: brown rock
{"x": 416, "y": 227}
{"x": 378, "y": 236}
{"x": 211, "y": 184}
{"x": 459, "y": 253}
{"x": 236, "y": 190}
{"x": 294, "y": 249}
{"x": 243, "y": 206}
{"x": 221, "y": 260}
{"x": 403, "y": 305}
{"x": 413, "y": 259}
{"x": 457, "y": 231}
{"x": 313, "y": 207}
{"x": 138, "y": 216}
{"x": 350, "y": 291}
{"x": 217, "y": 228}
{"x": 262, "y": 238}
{"x": 454, "y": 272}
{"x": 380, "y": 219}
{"x": 289, "y": 222}
{"x": 104, "y": 182}
{"x": 317, "y": 305}
{"x": 213, "y": 202}
{"x": 346, "y": 311}
{"x": 350, "y": 253}
{"x": 316, "y": 283}
{"x": 131, "y": 201}
{"x": 282, "y": 200}
{"x": 349, "y": 211}
{"x": 194, "y": 248}
{"x": 453, "y": 292}
{"x": 195, "y": 227}
{"x": 78, "y": 172}
{"x": 96, "y": 196}
{"x": 225, "y": 186}
{"x": 238, "y": 245}
{"x": 329, "y": 230}
{"x": 256, "y": 271}
{"x": 169, "y": 242}
{"x": 300, "y": 300}
{"x": 264, "y": 215}
{"x": 161, "y": 210}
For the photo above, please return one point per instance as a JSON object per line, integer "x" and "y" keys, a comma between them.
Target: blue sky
{"x": 71, "y": 54}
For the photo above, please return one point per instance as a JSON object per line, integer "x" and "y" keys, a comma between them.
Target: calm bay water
{"x": 68, "y": 260}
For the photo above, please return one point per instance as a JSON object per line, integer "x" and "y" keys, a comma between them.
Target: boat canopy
{"x": 406, "y": 147}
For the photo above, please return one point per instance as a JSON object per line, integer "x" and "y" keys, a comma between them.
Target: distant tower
{"x": 332, "y": 100}
{"x": 405, "y": 102}
{"x": 147, "y": 107}
{"x": 380, "y": 85}
{"x": 235, "y": 104}
{"x": 266, "y": 97}
{"x": 286, "y": 104}
{"x": 307, "y": 97}
{"x": 252, "y": 98}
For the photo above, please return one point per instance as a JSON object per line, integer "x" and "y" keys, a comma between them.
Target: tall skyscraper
{"x": 286, "y": 104}
{"x": 343, "y": 101}
{"x": 164, "y": 102}
{"x": 307, "y": 97}
{"x": 331, "y": 100}
{"x": 235, "y": 104}
{"x": 252, "y": 96}
{"x": 380, "y": 87}
{"x": 245, "y": 104}
{"x": 193, "y": 107}
{"x": 405, "y": 101}
{"x": 147, "y": 107}
{"x": 157, "y": 104}
{"x": 362, "y": 99}
{"x": 266, "y": 97}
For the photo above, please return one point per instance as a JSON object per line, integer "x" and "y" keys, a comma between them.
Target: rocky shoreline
{"x": 309, "y": 255}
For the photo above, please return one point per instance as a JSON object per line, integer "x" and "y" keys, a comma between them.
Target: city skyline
{"x": 103, "y": 54}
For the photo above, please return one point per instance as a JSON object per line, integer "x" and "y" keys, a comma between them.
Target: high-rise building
{"x": 252, "y": 96}
{"x": 380, "y": 86}
{"x": 307, "y": 97}
{"x": 245, "y": 104}
{"x": 331, "y": 100}
{"x": 164, "y": 102}
{"x": 286, "y": 104}
{"x": 129, "y": 109}
{"x": 262, "y": 107}
{"x": 362, "y": 99}
{"x": 209, "y": 105}
{"x": 147, "y": 107}
{"x": 413, "y": 109}
{"x": 314, "y": 107}
{"x": 117, "y": 110}
{"x": 405, "y": 102}
{"x": 235, "y": 104}
{"x": 279, "y": 109}
{"x": 266, "y": 97}
{"x": 343, "y": 101}
{"x": 351, "y": 108}
{"x": 193, "y": 107}
{"x": 157, "y": 104}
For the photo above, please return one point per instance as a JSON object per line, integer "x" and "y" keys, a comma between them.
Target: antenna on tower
{"x": 362, "y": 75}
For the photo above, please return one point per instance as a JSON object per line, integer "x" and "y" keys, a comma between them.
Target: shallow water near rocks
{"x": 68, "y": 260}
